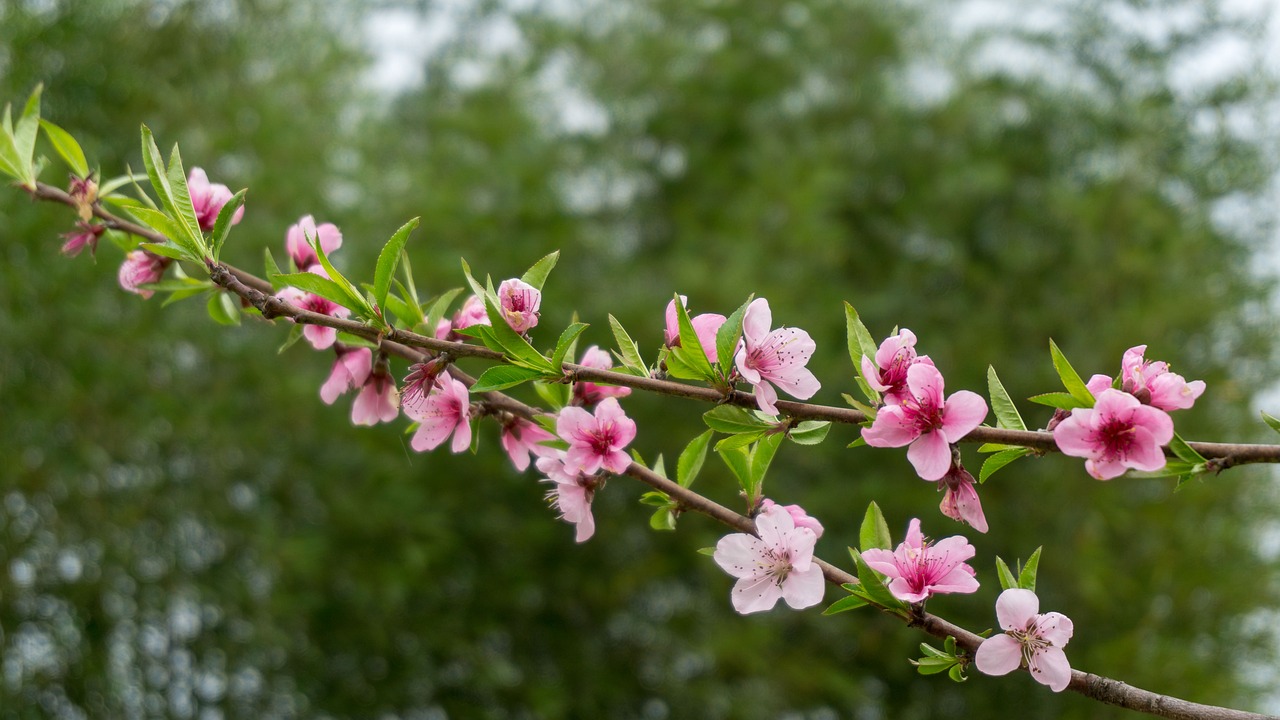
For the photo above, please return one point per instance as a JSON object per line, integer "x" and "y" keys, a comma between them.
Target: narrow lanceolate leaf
{"x": 353, "y": 301}
{"x": 728, "y": 335}
{"x": 809, "y": 432}
{"x": 738, "y": 461}
{"x": 1007, "y": 415}
{"x": 844, "y": 604}
{"x": 166, "y": 226}
{"x": 873, "y": 585}
{"x": 10, "y": 163}
{"x": 874, "y": 534}
{"x": 762, "y": 457}
{"x": 690, "y": 353}
{"x": 1062, "y": 401}
{"x": 222, "y": 226}
{"x": 733, "y": 420}
{"x": 475, "y": 286}
{"x": 388, "y": 259}
{"x": 67, "y": 147}
{"x": 860, "y": 343}
{"x": 183, "y": 210}
{"x": 166, "y": 250}
{"x": 1070, "y": 378}
{"x": 1185, "y": 451}
{"x": 314, "y": 284}
{"x": 1007, "y": 580}
{"x": 737, "y": 441}
{"x": 437, "y": 309}
{"x": 628, "y": 352}
{"x": 272, "y": 269}
{"x": 23, "y": 138}
{"x": 1027, "y": 578}
{"x": 405, "y": 313}
{"x": 565, "y": 344}
{"x": 690, "y": 462}
{"x": 223, "y": 309}
{"x": 537, "y": 275}
{"x": 1271, "y": 421}
{"x": 1172, "y": 468}
{"x": 554, "y": 394}
{"x": 501, "y": 377}
{"x": 513, "y": 344}
{"x": 998, "y": 461}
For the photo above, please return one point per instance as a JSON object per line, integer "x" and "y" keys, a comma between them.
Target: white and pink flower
{"x": 960, "y": 498}
{"x": 888, "y": 373}
{"x": 141, "y": 268}
{"x": 471, "y": 313}
{"x": 775, "y": 563}
{"x": 377, "y": 402}
{"x": 919, "y": 569}
{"x": 586, "y": 392}
{"x": 1116, "y": 434}
{"x": 442, "y": 412}
{"x": 1030, "y": 639}
{"x": 798, "y": 516}
{"x": 926, "y": 422}
{"x": 297, "y": 241}
{"x": 596, "y": 441}
{"x": 519, "y": 303}
{"x": 705, "y": 326}
{"x": 320, "y": 336}
{"x": 350, "y": 370}
{"x": 522, "y": 438}
{"x": 1151, "y": 382}
{"x": 207, "y": 199}
{"x": 774, "y": 357}
{"x": 571, "y": 494}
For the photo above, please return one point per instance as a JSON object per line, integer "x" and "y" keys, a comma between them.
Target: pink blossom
{"x": 960, "y": 501}
{"x": 705, "y": 326}
{"x": 297, "y": 241}
{"x": 443, "y": 328}
{"x": 208, "y": 198}
{"x": 919, "y": 569}
{"x": 571, "y": 494}
{"x": 521, "y": 438}
{"x": 520, "y": 302}
{"x": 798, "y": 516}
{"x": 471, "y": 313}
{"x": 923, "y": 420}
{"x": 888, "y": 374}
{"x": 140, "y": 268}
{"x": 320, "y": 336}
{"x": 775, "y": 563}
{"x": 84, "y": 193}
{"x": 1116, "y": 434}
{"x": 1151, "y": 382}
{"x": 86, "y": 235}
{"x": 444, "y": 411}
{"x": 1030, "y": 639}
{"x": 589, "y": 393}
{"x": 377, "y": 402}
{"x": 596, "y": 441}
{"x": 776, "y": 357}
{"x": 422, "y": 378}
{"x": 350, "y": 371}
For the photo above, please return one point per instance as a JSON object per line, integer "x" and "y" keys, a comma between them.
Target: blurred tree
{"x": 232, "y": 556}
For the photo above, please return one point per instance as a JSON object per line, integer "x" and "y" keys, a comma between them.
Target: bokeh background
{"x": 186, "y": 531}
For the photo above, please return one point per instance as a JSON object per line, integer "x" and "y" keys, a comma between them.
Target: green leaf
{"x": 512, "y": 343}
{"x": 295, "y": 334}
{"x": 628, "y": 353}
{"x": 23, "y": 139}
{"x": 999, "y": 460}
{"x": 655, "y": 498}
{"x": 728, "y": 335}
{"x": 314, "y": 284}
{"x": 663, "y": 519}
{"x": 707, "y": 551}
{"x": 934, "y": 665}
{"x": 660, "y": 467}
{"x": 874, "y": 534}
{"x": 388, "y": 259}
{"x": 859, "y": 442}
{"x": 272, "y": 269}
{"x": 844, "y": 604}
{"x": 1171, "y": 468}
{"x": 1060, "y": 400}
{"x": 565, "y": 344}
{"x": 873, "y": 586}
{"x": 809, "y": 432}
{"x": 67, "y": 148}
{"x": 554, "y": 394}
{"x": 353, "y": 301}
{"x": 733, "y": 420}
{"x": 861, "y": 407}
{"x": 183, "y": 210}
{"x": 1271, "y": 421}
{"x": 476, "y": 287}
{"x": 1007, "y": 580}
{"x": 501, "y": 377}
{"x": 166, "y": 250}
{"x": 690, "y": 462}
{"x": 956, "y": 673}
{"x": 761, "y": 458}
{"x": 1185, "y": 451}
{"x": 1007, "y": 416}
{"x": 690, "y": 352}
{"x": 1027, "y": 578}
{"x": 10, "y": 162}
{"x": 679, "y": 367}
{"x": 436, "y": 311}
{"x": 738, "y": 461}
{"x": 223, "y": 309}
{"x": 222, "y": 226}
{"x": 736, "y": 441}
{"x": 407, "y": 314}
{"x": 860, "y": 343}
{"x": 1070, "y": 378}
{"x": 537, "y": 275}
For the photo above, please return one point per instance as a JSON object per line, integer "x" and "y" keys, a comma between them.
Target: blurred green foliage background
{"x": 187, "y": 532}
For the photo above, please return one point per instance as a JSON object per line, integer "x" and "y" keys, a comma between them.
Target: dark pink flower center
{"x": 923, "y": 414}
{"x": 1116, "y": 437}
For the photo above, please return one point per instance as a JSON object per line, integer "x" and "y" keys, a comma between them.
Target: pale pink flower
{"x": 1151, "y": 382}
{"x": 775, "y": 563}
{"x": 471, "y": 313}
{"x": 86, "y": 235}
{"x": 444, "y": 411}
{"x": 377, "y": 402}
{"x": 320, "y": 336}
{"x": 586, "y": 392}
{"x": 1116, "y": 434}
{"x": 443, "y": 328}
{"x": 519, "y": 303}
{"x": 297, "y": 241}
{"x": 960, "y": 500}
{"x": 521, "y": 438}
{"x": 919, "y": 569}
{"x": 349, "y": 372}
{"x": 924, "y": 421}
{"x": 208, "y": 198}
{"x": 766, "y": 358}
{"x": 140, "y": 268}
{"x": 571, "y": 494}
{"x": 705, "y": 326}
{"x": 422, "y": 378}
{"x": 596, "y": 441}
{"x": 798, "y": 516}
{"x": 1030, "y": 639}
{"x": 888, "y": 373}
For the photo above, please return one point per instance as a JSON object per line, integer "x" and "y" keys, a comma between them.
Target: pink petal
{"x": 998, "y": 655}
{"x": 963, "y": 412}
{"x": 925, "y": 383}
{"x": 804, "y": 588}
{"x": 970, "y": 507}
{"x": 798, "y": 382}
{"x": 958, "y": 580}
{"x": 320, "y": 337}
{"x": 1050, "y": 667}
{"x": 930, "y": 455}
{"x": 1155, "y": 421}
{"x": 586, "y": 525}
{"x": 872, "y": 375}
{"x": 706, "y": 326}
{"x": 617, "y": 461}
{"x": 431, "y": 433}
{"x": 1056, "y": 628}
{"x": 1144, "y": 453}
{"x": 1098, "y": 383}
{"x": 1015, "y": 607}
{"x": 461, "y": 436}
{"x": 673, "y": 321}
{"x": 882, "y": 561}
{"x": 748, "y": 373}
{"x": 756, "y": 322}
{"x": 766, "y": 397}
{"x": 1105, "y": 469}
{"x": 755, "y": 595}
{"x": 515, "y": 449}
{"x": 890, "y": 429}
{"x": 572, "y": 422}
{"x": 737, "y": 554}
{"x": 901, "y": 589}
{"x": 773, "y": 524}
{"x": 1115, "y": 402}
{"x": 1074, "y": 435}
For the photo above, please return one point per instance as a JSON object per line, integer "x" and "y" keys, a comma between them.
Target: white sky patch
{"x": 401, "y": 40}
